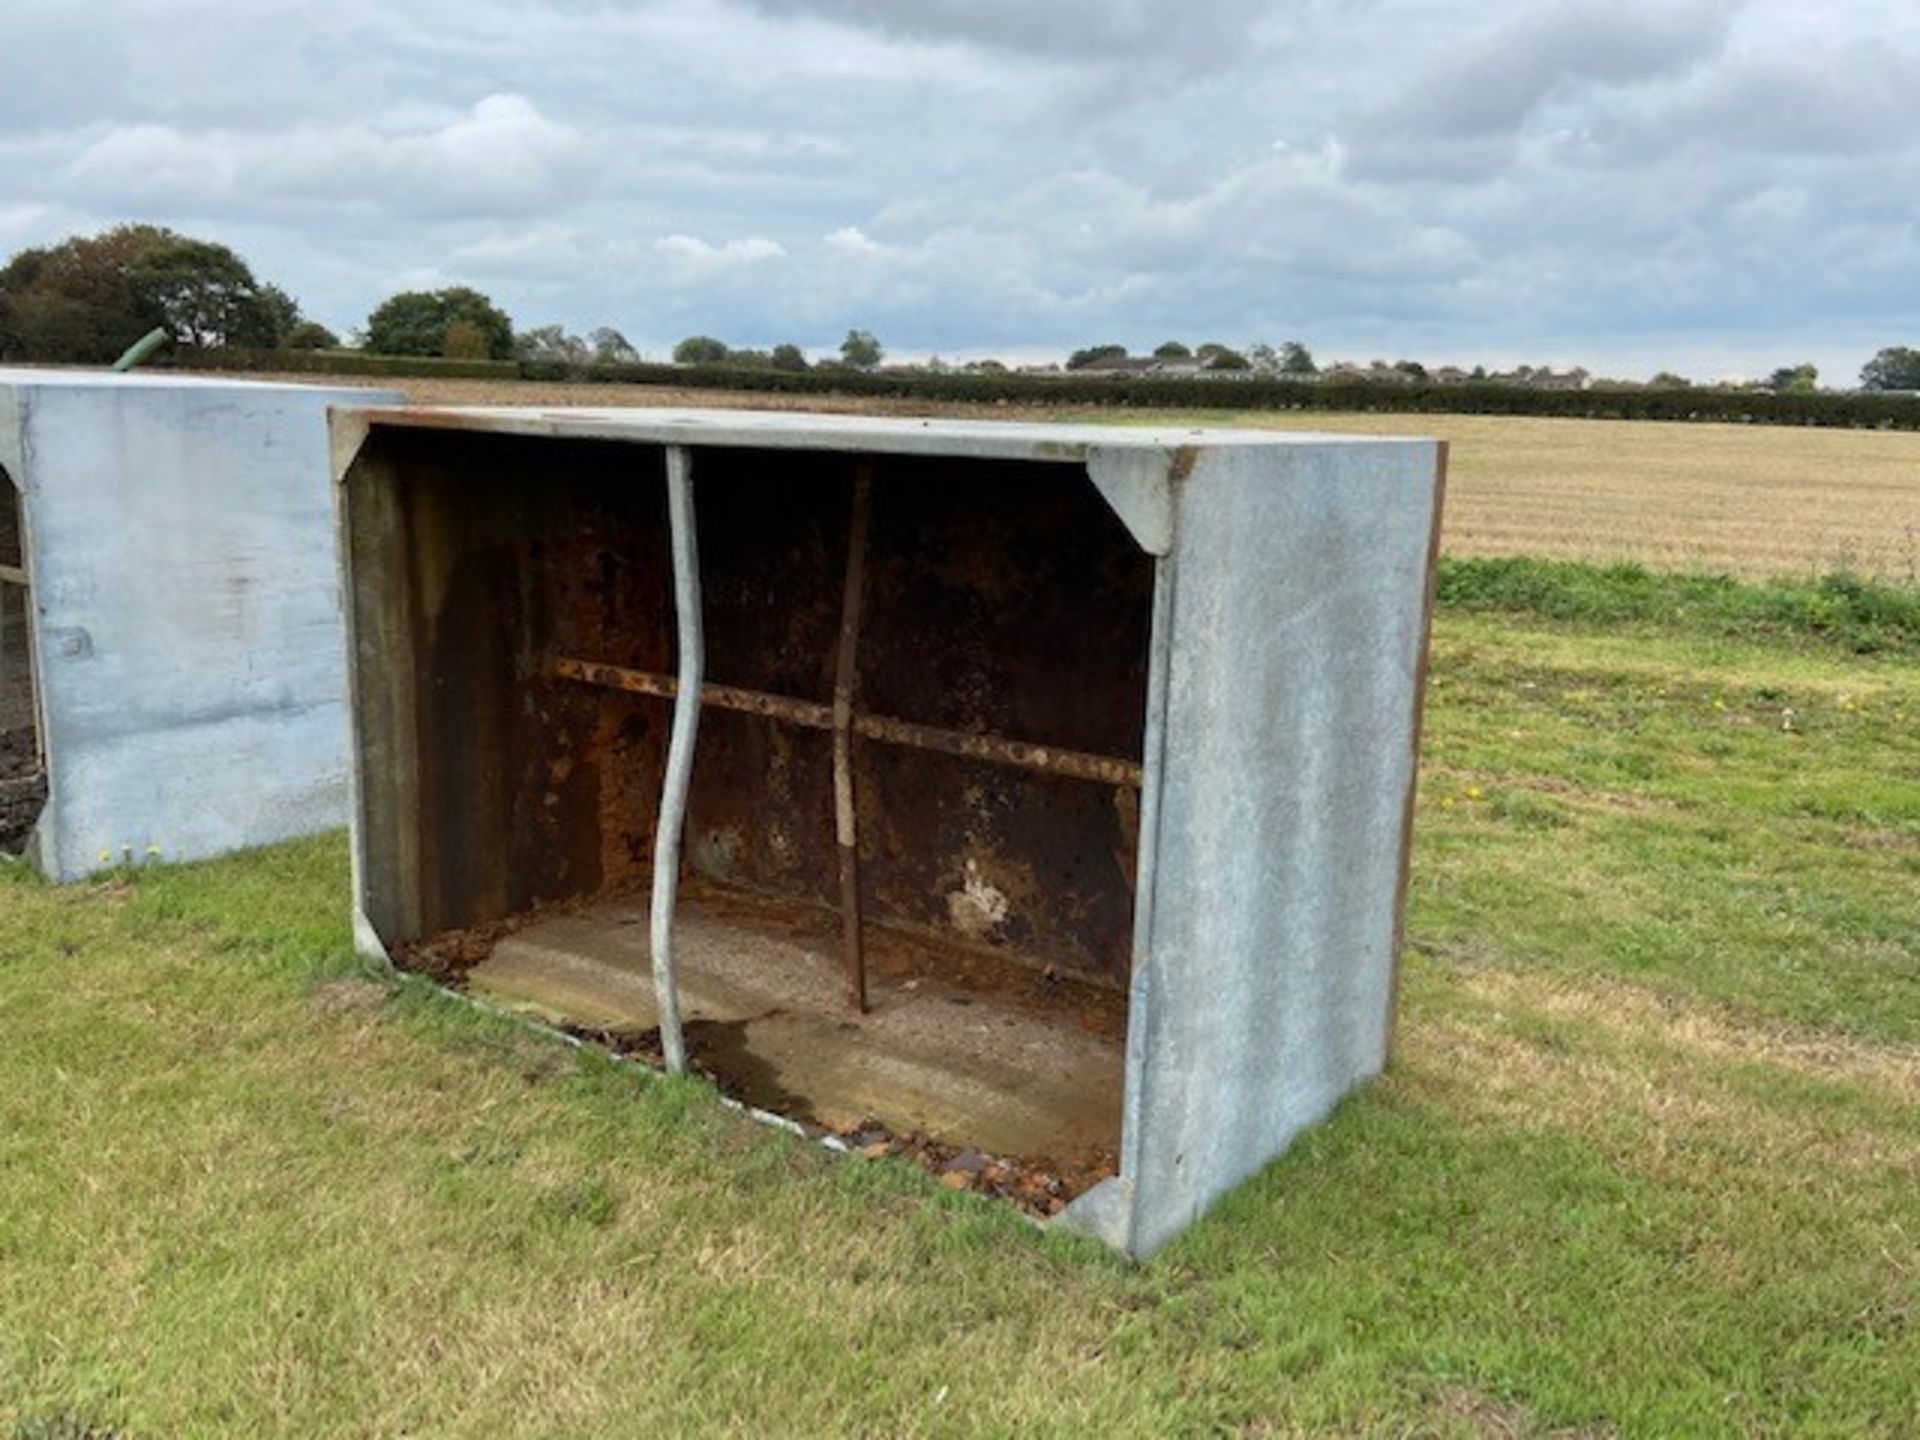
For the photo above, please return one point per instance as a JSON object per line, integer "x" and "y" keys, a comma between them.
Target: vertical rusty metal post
{"x": 679, "y": 772}
{"x": 846, "y": 684}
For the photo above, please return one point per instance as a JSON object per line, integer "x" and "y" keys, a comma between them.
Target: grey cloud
{"x": 1569, "y": 180}
{"x": 1493, "y": 85}
{"x": 1075, "y": 30}
{"x": 1835, "y": 99}
{"x": 1461, "y": 116}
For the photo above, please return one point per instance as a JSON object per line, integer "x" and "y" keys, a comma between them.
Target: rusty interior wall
{"x": 1002, "y": 598}
{"x": 22, "y": 781}
{"x": 530, "y": 788}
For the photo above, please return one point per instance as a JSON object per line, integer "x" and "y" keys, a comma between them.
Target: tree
{"x": 283, "y": 314}
{"x": 463, "y": 340}
{"x": 1080, "y": 359}
{"x": 700, "y": 350}
{"x": 1667, "y": 380}
{"x": 1171, "y": 350}
{"x": 76, "y": 301}
{"x": 1297, "y": 360}
{"x": 788, "y": 357}
{"x": 1895, "y": 368}
{"x": 311, "y": 335}
{"x": 552, "y": 343}
{"x": 861, "y": 350}
{"x": 1215, "y": 356}
{"x": 207, "y": 296}
{"x": 90, "y": 296}
{"x": 1795, "y": 379}
{"x": 422, "y": 322}
{"x": 610, "y": 347}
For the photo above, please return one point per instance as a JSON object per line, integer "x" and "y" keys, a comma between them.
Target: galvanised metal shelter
{"x": 1046, "y": 788}
{"x": 171, "y": 678}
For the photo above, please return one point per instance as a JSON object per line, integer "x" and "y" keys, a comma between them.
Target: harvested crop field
{"x": 1755, "y": 501}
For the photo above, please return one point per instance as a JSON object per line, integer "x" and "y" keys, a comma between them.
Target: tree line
{"x": 859, "y": 351}
{"x": 86, "y": 299}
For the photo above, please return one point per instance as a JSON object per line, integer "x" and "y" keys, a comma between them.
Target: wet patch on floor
{"x": 998, "y": 1078}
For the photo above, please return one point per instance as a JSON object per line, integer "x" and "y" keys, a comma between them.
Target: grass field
{"x": 1748, "y": 500}
{"x": 1647, "y": 1162}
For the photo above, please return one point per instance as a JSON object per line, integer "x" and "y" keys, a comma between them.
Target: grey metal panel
{"x": 871, "y": 434}
{"x": 1297, "y": 641}
{"x": 187, "y": 614}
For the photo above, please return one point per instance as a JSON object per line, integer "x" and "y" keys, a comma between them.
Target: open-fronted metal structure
{"x": 1046, "y": 788}
{"x": 171, "y": 676}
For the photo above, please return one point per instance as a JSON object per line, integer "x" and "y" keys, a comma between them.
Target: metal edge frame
{"x": 348, "y": 429}
{"x": 42, "y": 849}
{"x": 346, "y": 436}
{"x": 1107, "y": 1212}
{"x": 1421, "y": 663}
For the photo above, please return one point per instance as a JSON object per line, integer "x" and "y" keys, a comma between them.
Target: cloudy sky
{"x": 1718, "y": 186}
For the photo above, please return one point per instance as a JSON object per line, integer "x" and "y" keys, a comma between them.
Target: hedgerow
{"x": 1861, "y": 410}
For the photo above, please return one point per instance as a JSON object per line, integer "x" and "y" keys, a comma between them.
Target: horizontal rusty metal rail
{"x": 1018, "y": 754}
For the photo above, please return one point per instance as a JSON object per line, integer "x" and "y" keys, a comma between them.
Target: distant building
{"x": 1149, "y": 367}
{"x": 1119, "y": 365}
{"x": 1574, "y": 379}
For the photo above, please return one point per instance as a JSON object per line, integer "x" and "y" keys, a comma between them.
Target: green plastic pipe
{"x": 142, "y": 348}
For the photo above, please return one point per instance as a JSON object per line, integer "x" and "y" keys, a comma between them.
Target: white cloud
{"x": 852, "y": 240}
{"x": 500, "y": 157}
{"x": 696, "y": 256}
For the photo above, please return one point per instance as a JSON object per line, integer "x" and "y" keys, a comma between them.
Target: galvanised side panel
{"x": 1297, "y": 635}
{"x": 188, "y": 630}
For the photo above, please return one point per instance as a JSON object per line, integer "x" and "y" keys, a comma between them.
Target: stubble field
{"x": 1753, "y": 501}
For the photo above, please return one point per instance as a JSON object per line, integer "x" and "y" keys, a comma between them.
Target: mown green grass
{"x": 1837, "y": 610}
{"x": 1648, "y": 1159}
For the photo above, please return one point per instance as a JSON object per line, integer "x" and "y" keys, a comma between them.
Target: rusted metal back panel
{"x": 12, "y": 551}
{"x": 773, "y": 539}
{"x": 16, "y": 668}
{"x": 501, "y": 553}
{"x": 1001, "y": 598}
{"x": 1005, "y": 599}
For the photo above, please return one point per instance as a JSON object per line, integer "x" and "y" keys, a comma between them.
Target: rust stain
{"x": 1184, "y": 459}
